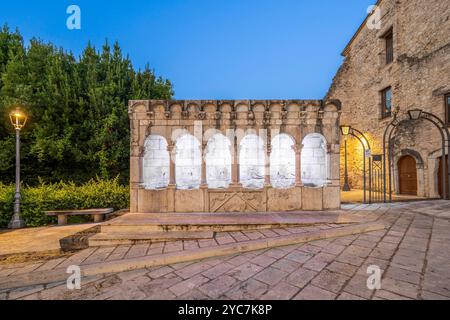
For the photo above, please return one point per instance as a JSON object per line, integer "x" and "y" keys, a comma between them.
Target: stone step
{"x": 118, "y": 238}
{"x": 59, "y": 274}
{"x": 147, "y": 222}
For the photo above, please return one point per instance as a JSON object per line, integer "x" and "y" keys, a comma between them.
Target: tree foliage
{"x": 78, "y": 122}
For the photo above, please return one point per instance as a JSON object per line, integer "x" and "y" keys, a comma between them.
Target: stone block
{"x": 151, "y": 200}
{"x": 134, "y": 169}
{"x": 284, "y": 199}
{"x": 189, "y": 200}
{"x": 331, "y": 197}
{"x": 134, "y": 200}
{"x": 312, "y": 198}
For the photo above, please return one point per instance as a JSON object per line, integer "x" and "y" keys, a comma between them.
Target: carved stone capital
{"x": 217, "y": 115}
{"x": 185, "y": 114}
{"x": 303, "y": 115}
{"x": 148, "y": 130}
{"x": 320, "y": 114}
{"x": 167, "y": 113}
{"x": 201, "y": 115}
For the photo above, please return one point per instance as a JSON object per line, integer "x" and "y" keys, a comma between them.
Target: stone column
{"x": 170, "y": 195}
{"x": 267, "y": 167}
{"x": 203, "y": 174}
{"x": 172, "y": 181}
{"x": 433, "y": 188}
{"x": 235, "y": 165}
{"x": 298, "y": 167}
{"x": 334, "y": 167}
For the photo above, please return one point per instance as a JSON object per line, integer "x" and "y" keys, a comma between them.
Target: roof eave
{"x": 347, "y": 47}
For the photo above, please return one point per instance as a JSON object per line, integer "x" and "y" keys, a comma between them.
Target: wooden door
{"x": 407, "y": 173}
{"x": 440, "y": 176}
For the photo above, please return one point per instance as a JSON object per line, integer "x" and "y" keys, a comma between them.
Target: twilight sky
{"x": 210, "y": 49}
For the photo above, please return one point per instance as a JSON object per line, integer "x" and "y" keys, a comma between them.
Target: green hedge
{"x": 60, "y": 196}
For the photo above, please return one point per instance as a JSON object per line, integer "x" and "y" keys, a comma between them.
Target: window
{"x": 282, "y": 162}
{"x": 156, "y": 163}
{"x": 218, "y": 162}
{"x": 314, "y": 160}
{"x": 389, "y": 42}
{"x": 386, "y": 102}
{"x": 251, "y": 162}
{"x": 447, "y": 108}
{"x": 188, "y": 163}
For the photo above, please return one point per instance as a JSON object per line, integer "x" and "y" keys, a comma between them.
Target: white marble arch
{"x": 218, "y": 162}
{"x": 155, "y": 163}
{"x": 282, "y": 162}
{"x": 252, "y": 162}
{"x": 314, "y": 161}
{"x": 188, "y": 162}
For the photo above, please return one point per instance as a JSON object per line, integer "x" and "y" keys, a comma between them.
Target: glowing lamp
{"x": 18, "y": 119}
{"x": 345, "y": 130}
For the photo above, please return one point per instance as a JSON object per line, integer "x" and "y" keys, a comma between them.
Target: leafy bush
{"x": 96, "y": 193}
{"x": 6, "y": 204}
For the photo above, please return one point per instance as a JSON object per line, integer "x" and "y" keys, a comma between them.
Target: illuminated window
{"x": 156, "y": 163}
{"x": 314, "y": 162}
{"x": 188, "y": 162}
{"x": 251, "y": 162}
{"x": 282, "y": 162}
{"x": 218, "y": 162}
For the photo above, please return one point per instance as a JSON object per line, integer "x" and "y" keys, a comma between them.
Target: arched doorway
{"x": 407, "y": 174}
{"x": 441, "y": 163}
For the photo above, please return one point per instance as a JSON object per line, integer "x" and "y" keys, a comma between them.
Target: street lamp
{"x": 18, "y": 120}
{"x": 345, "y": 130}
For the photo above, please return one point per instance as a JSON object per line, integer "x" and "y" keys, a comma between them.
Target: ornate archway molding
{"x": 389, "y": 152}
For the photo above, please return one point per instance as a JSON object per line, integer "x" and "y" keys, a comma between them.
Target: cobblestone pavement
{"x": 412, "y": 254}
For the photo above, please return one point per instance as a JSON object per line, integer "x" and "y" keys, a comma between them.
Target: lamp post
{"x": 18, "y": 120}
{"x": 345, "y": 130}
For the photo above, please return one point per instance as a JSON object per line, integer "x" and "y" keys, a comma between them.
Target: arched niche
{"x": 282, "y": 162}
{"x": 188, "y": 162}
{"x": 314, "y": 161}
{"x": 155, "y": 163}
{"x": 251, "y": 162}
{"x": 218, "y": 162}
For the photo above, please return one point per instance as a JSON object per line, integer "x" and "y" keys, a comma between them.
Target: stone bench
{"x": 62, "y": 215}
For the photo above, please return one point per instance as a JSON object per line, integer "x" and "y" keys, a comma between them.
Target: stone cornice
{"x": 199, "y": 106}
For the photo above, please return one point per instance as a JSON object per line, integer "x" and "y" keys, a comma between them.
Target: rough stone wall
{"x": 419, "y": 77}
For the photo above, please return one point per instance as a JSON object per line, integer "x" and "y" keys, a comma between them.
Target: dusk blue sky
{"x": 210, "y": 49}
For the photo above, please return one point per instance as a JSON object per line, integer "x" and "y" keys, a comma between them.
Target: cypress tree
{"x": 78, "y": 121}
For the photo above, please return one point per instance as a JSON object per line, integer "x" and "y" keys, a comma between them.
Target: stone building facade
{"x": 399, "y": 58}
{"x": 234, "y": 156}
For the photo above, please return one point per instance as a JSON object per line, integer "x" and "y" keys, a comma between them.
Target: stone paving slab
{"x": 36, "y": 240}
{"x": 92, "y": 265}
{"x": 148, "y": 222}
{"x": 129, "y": 238}
{"x": 412, "y": 253}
